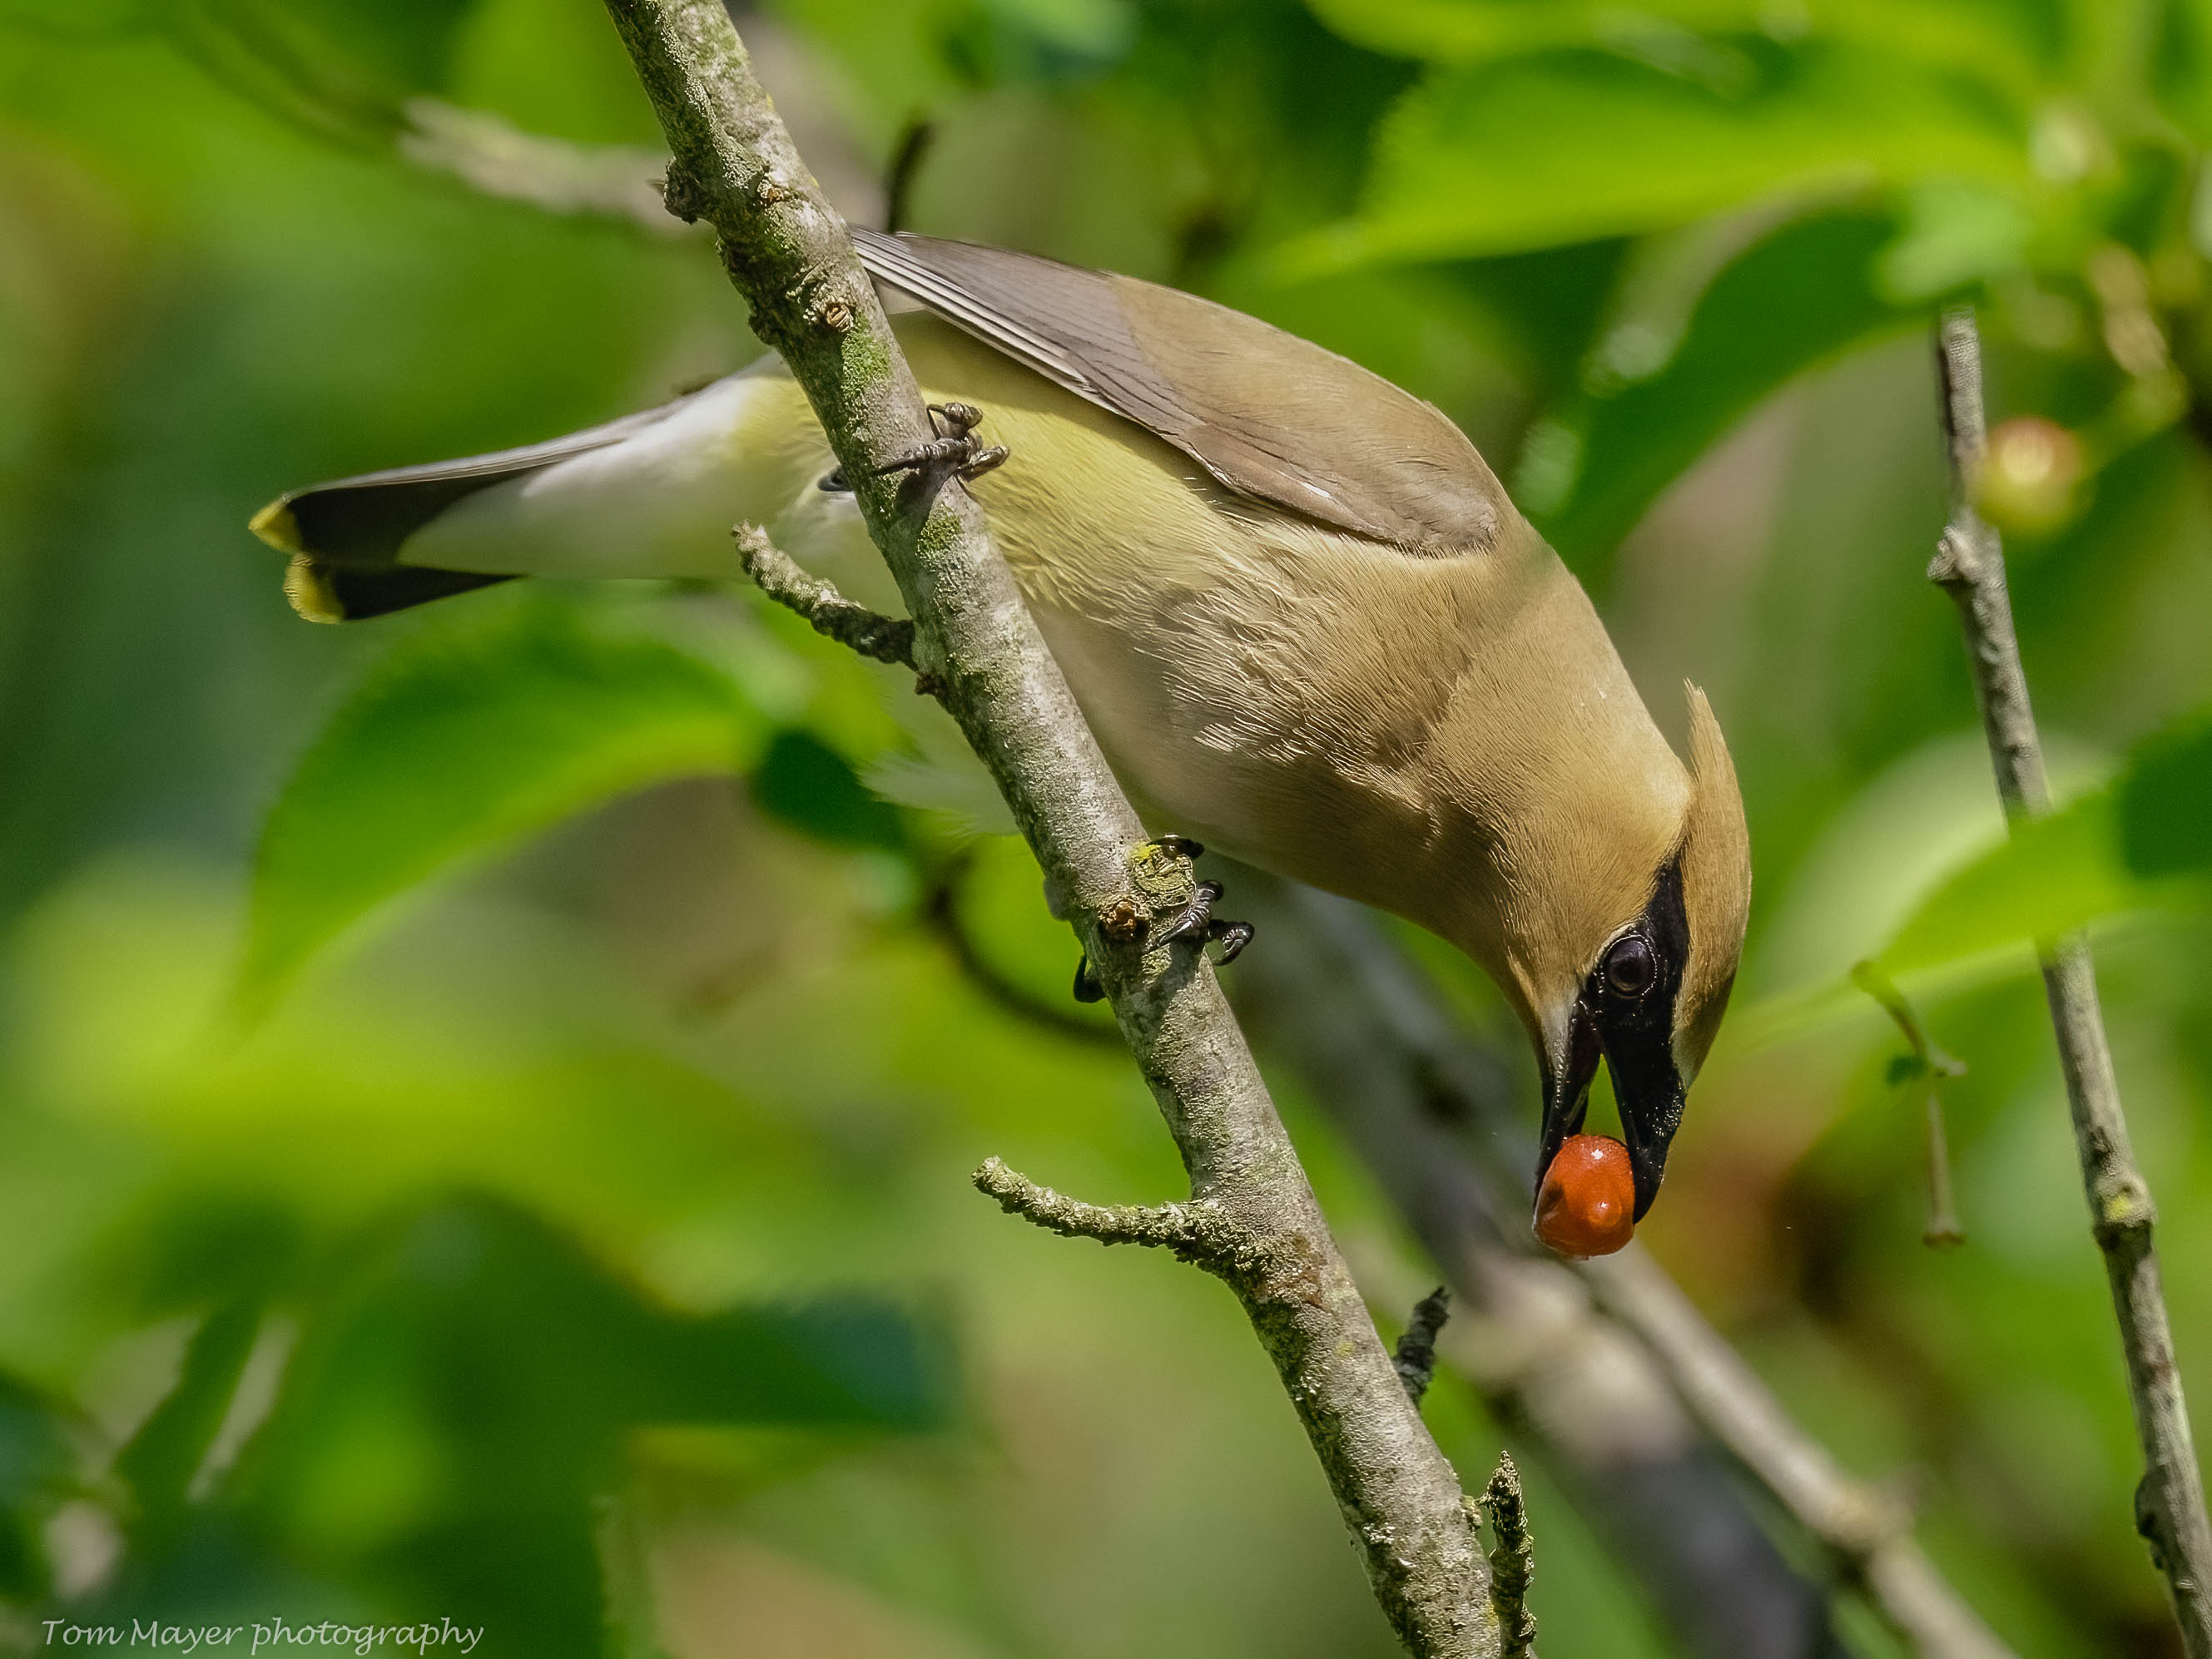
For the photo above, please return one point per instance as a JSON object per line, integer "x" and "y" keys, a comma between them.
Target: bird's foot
{"x": 956, "y": 449}
{"x": 1197, "y": 917}
{"x": 1195, "y": 920}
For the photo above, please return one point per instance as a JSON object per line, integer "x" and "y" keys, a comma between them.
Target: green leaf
{"x": 1479, "y": 31}
{"x": 2142, "y": 842}
{"x": 38, "y": 1472}
{"x": 1800, "y": 296}
{"x": 2011, "y": 39}
{"x": 161, "y": 1460}
{"x": 2165, "y": 805}
{"x": 340, "y": 69}
{"x": 1539, "y": 152}
{"x": 473, "y": 1379}
{"x": 2181, "y": 66}
{"x": 465, "y": 739}
{"x": 808, "y": 785}
{"x": 2052, "y": 876}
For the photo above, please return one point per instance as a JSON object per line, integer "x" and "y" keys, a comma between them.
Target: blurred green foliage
{"x": 520, "y": 725}
{"x": 465, "y": 1155}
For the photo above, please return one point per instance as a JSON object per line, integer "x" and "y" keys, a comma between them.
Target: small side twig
{"x": 1512, "y": 1561}
{"x": 1944, "y": 1229}
{"x": 1869, "y": 978}
{"x": 1189, "y": 1231}
{"x": 886, "y": 638}
{"x": 1415, "y": 1356}
{"x": 1931, "y": 1066}
{"x": 1969, "y": 566}
{"x": 495, "y": 158}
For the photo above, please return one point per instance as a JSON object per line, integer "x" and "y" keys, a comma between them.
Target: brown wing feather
{"x": 1268, "y": 415}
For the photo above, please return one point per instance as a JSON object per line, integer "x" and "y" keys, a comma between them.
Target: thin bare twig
{"x": 1869, "y": 978}
{"x": 1944, "y": 1229}
{"x": 1415, "y": 1356}
{"x": 1866, "y": 1531}
{"x": 495, "y": 158}
{"x": 1969, "y": 566}
{"x": 787, "y": 251}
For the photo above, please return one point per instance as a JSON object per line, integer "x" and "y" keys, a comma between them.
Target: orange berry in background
{"x": 1586, "y": 1203}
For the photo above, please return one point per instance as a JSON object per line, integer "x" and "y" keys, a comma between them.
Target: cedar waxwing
{"x": 1297, "y": 607}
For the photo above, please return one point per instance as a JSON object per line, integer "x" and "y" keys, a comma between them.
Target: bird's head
{"x": 1651, "y": 886}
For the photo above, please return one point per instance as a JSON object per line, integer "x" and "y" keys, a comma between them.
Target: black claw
{"x": 1234, "y": 937}
{"x": 1196, "y": 916}
{"x": 1180, "y": 846}
{"x": 1087, "y": 988}
{"x": 985, "y": 460}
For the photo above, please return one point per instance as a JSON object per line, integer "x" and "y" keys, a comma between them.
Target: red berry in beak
{"x": 1586, "y": 1203}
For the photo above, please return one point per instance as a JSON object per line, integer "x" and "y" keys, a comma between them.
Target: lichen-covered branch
{"x": 1192, "y": 1231}
{"x": 1512, "y": 1561}
{"x": 1607, "y": 1370}
{"x": 734, "y": 166}
{"x": 1969, "y": 566}
{"x": 885, "y": 639}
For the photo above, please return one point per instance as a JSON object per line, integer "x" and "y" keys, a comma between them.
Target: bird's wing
{"x": 1268, "y": 415}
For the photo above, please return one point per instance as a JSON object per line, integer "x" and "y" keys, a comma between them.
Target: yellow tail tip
{"x": 307, "y": 586}
{"x": 276, "y": 526}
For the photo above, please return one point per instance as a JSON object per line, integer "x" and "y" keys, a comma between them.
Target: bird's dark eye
{"x": 1630, "y": 967}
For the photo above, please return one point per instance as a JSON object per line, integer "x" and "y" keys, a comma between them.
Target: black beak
{"x": 1566, "y": 1089}
{"x": 1644, "y": 1082}
{"x": 1648, "y": 1124}
{"x": 1650, "y": 1094}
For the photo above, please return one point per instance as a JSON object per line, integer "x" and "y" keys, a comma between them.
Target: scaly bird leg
{"x": 956, "y": 448}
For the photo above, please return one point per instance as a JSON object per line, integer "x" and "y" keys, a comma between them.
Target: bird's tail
{"x": 653, "y": 494}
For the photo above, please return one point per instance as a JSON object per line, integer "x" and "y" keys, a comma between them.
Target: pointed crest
{"x": 1716, "y": 887}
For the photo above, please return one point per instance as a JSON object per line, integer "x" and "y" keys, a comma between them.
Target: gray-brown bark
{"x": 787, "y": 251}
